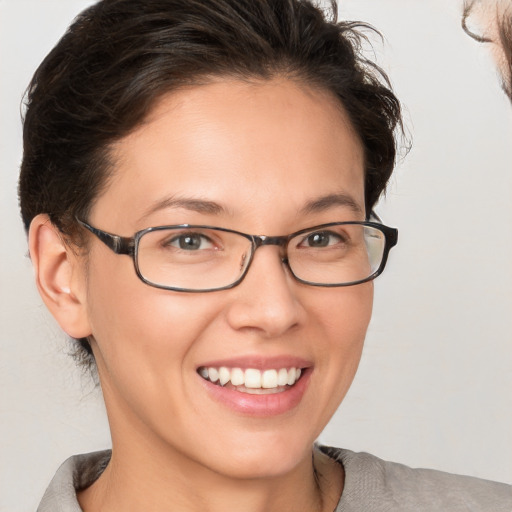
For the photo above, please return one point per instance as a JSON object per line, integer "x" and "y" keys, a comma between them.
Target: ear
{"x": 59, "y": 277}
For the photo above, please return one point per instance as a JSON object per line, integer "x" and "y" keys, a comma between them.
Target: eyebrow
{"x": 329, "y": 201}
{"x": 317, "y": 205}
{"x": 195, "y": 205}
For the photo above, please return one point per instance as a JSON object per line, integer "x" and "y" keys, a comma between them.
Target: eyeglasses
{"x": 192, "y": 258}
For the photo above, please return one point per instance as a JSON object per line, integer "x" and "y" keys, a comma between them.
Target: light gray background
{"x": 434, "y": 386}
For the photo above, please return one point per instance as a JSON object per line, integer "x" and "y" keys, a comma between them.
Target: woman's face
{"x": 265, "y": 158}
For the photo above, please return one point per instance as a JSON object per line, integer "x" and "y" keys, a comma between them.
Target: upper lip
{"x": 259, "y": 362}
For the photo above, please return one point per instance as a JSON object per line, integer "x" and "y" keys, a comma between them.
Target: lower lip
{"x": 271, "y": 404}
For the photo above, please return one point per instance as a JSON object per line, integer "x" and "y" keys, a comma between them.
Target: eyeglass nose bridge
{"x": 260, "y": 240}
{"x": 280, "y": 241}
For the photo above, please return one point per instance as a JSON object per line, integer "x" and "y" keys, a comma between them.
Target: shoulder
{"x": 76, "y": 473}
{"x": 375, "y": 485}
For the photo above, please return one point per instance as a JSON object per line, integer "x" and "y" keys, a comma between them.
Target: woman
{"x": 197, "y": 184}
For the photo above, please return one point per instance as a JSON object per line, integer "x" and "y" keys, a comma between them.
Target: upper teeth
{"x": 251, "y": 377}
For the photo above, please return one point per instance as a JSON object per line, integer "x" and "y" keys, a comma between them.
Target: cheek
{"x": 138, "y": 328}
{"x": 344, "y": 315}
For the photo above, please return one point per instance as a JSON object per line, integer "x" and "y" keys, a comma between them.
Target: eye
{"x": 190, "y": 242}
{"x": 320, "y": 239}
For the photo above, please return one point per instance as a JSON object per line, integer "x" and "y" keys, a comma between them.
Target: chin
{"x": 264, "y": 458}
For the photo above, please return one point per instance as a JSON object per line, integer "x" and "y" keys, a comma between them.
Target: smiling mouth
{"x": 252, "y": 380}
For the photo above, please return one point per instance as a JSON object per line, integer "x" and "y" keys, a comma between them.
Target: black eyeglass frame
{"x": 130, "y": 246}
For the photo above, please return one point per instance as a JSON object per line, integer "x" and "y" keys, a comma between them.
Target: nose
{"x": 266, "y": 301}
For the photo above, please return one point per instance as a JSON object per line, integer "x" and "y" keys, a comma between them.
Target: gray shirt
{"x": 371, "y": 485}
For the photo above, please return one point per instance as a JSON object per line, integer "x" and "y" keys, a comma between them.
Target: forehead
{"x": 250, "y": 147}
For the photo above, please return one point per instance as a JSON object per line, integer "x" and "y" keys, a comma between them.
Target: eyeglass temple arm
{"x": 118, "y": 244}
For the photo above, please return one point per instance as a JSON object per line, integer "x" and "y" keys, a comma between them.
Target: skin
{"x": 263, "y": 151}
{"x": 490, "y": 21}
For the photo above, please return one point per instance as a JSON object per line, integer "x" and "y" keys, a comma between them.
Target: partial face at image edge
{"x": 490, "y": 21}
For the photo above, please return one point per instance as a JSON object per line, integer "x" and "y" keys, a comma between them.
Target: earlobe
{"x": 58, "y": 277}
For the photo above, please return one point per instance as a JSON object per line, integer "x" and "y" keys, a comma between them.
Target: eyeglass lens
{"x": 194, "y": 258}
